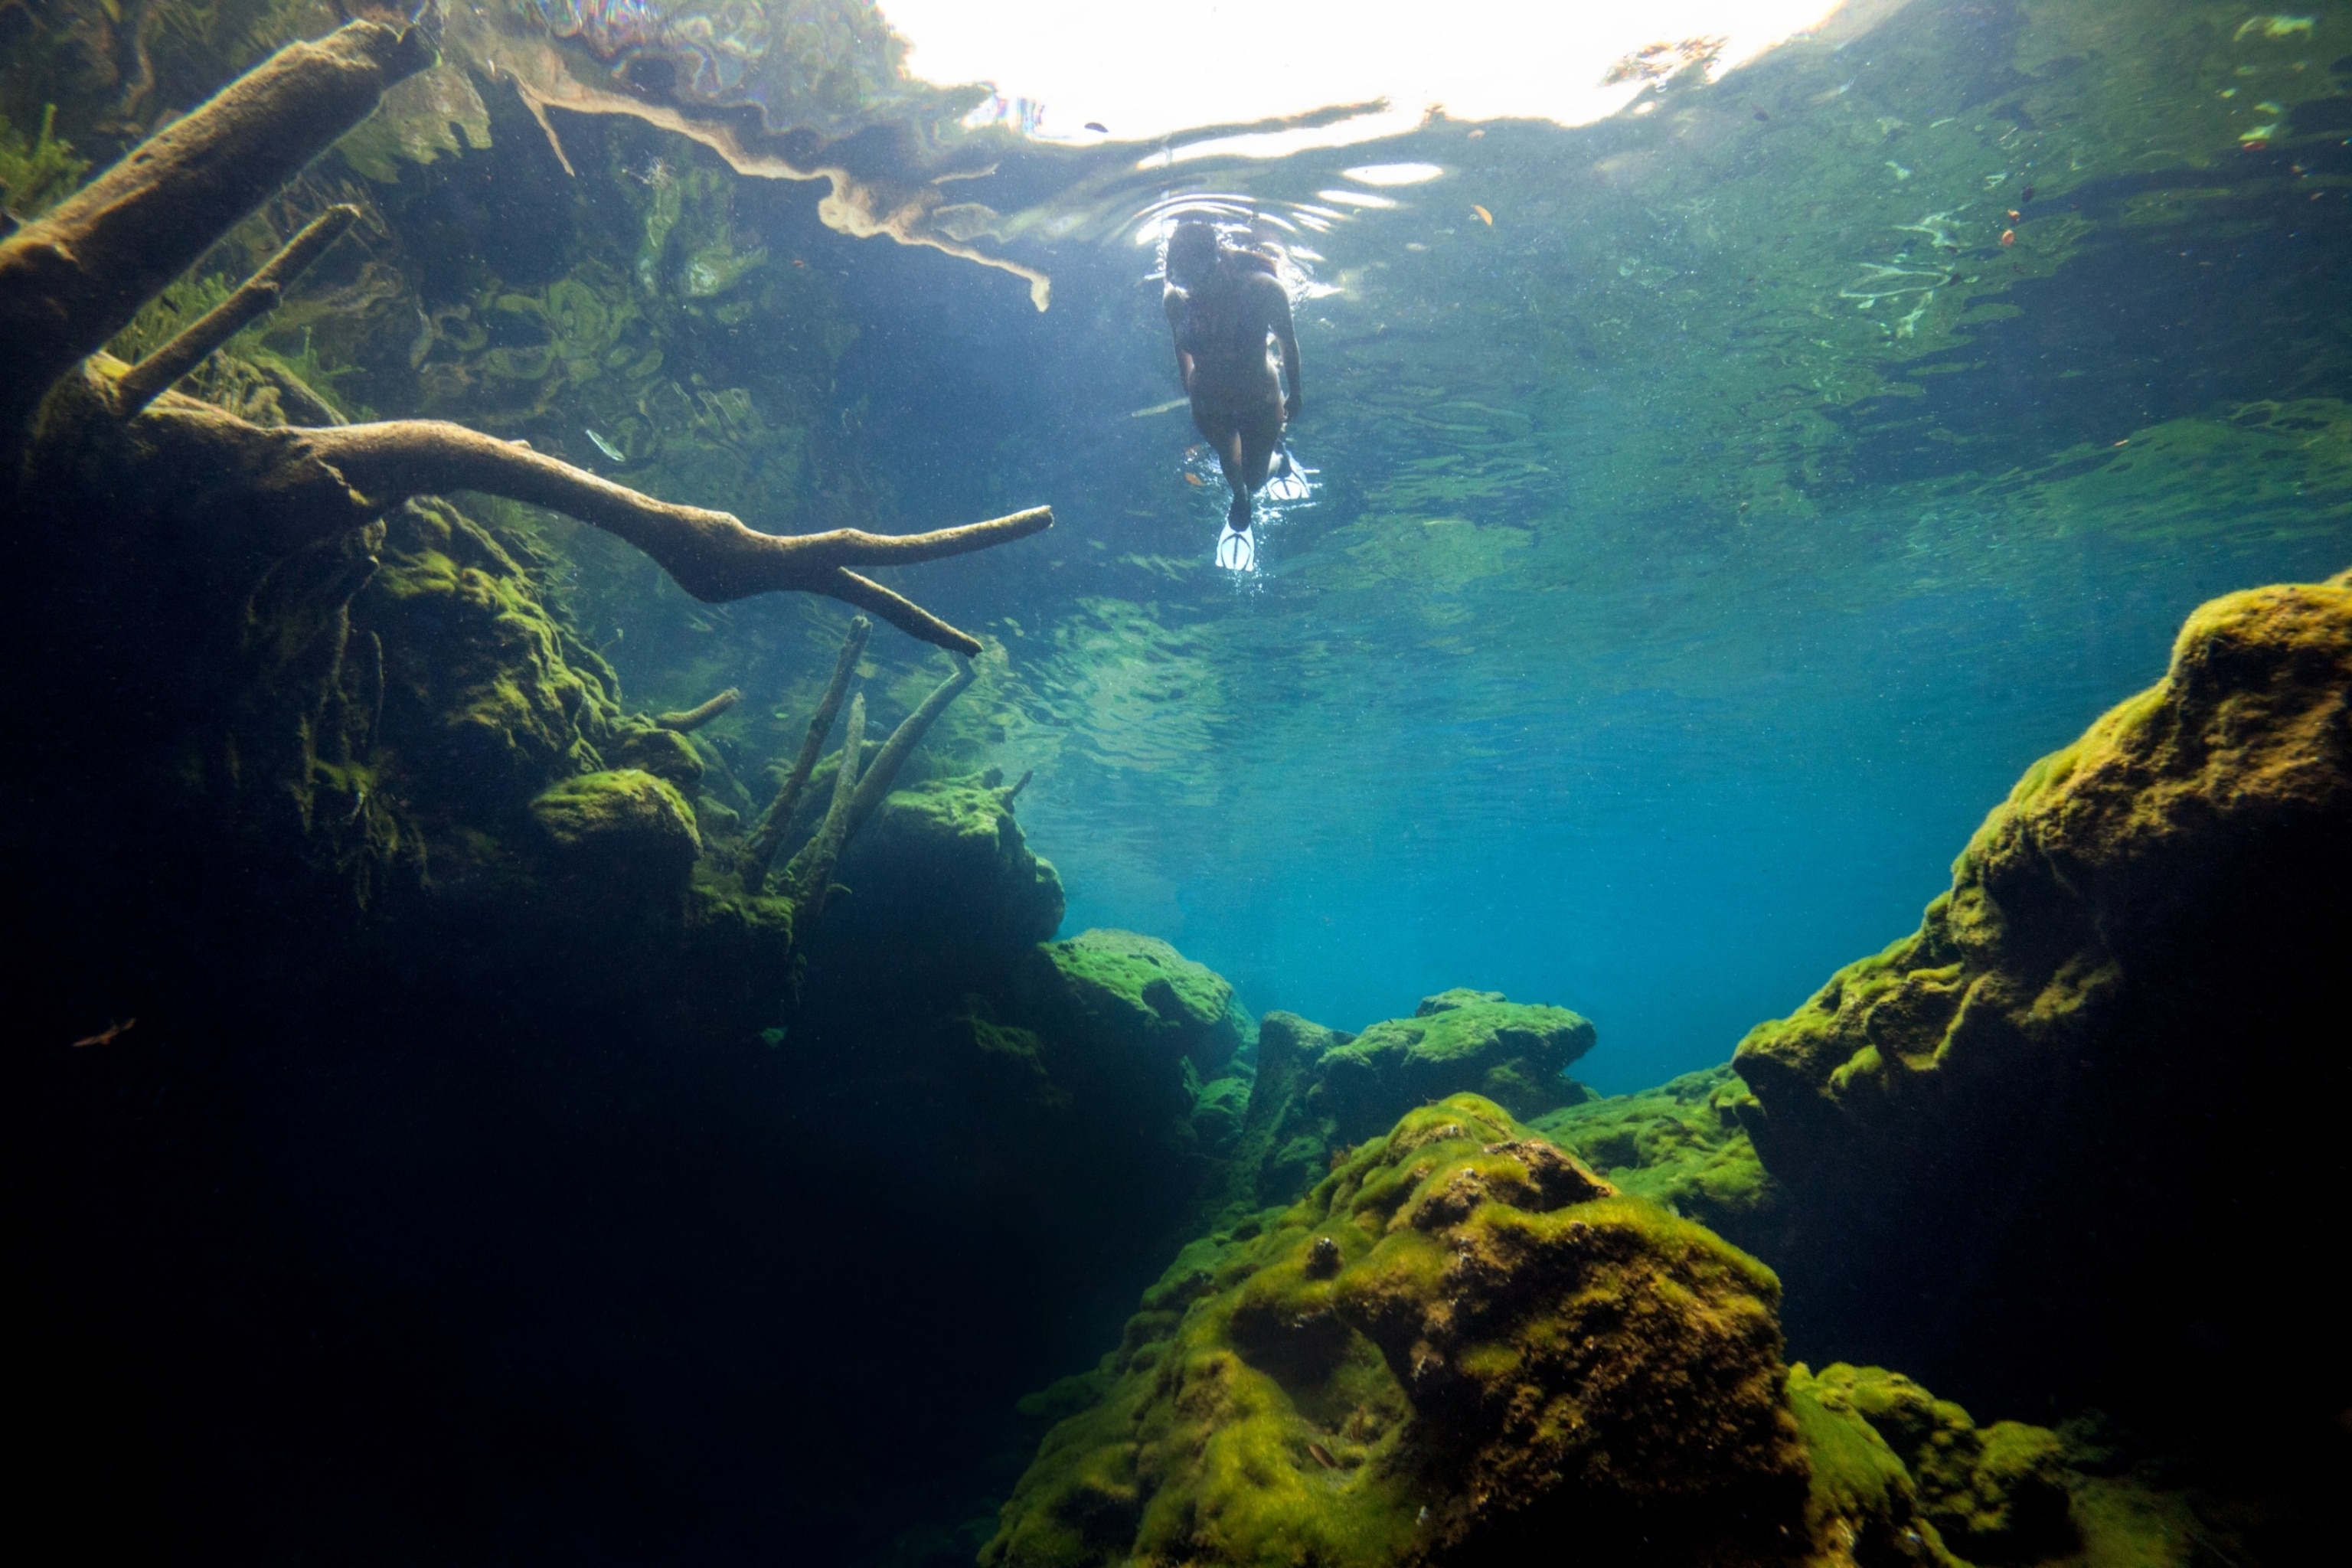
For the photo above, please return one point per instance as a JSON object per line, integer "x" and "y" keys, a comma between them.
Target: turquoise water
{"x": 1663, "y": 621}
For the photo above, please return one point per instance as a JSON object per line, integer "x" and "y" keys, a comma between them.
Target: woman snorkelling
{"x": 1229, "y": 313}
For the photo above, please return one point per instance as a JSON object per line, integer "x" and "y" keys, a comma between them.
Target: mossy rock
{"x": 1681, "y": 1145}
{"x": 664, "y": 753}
{"x": 1461, "y": 1345}
{"x": 485, "y": 700}
{"x": 1118, "y": 987}
{"x": 621, "y": 826}
{"x": 1220, "y": 1110}
{"x": 941, "y": 879}
{"x": 1456, "y": 1042}
{"x": 2137, "y": 956}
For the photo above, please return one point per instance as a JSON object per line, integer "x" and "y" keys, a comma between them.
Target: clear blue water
{"x": 1549, "y": 692}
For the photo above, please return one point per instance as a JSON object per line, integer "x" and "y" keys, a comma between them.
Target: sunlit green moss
{"x": 1458, "y": 1335}
{"x": 36, "y": 170}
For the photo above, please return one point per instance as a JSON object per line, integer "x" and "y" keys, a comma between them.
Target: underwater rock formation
{"x": 1463, "y": 1346}
{"x": 1682, "y": 1146}
{"x": 1318, "y": 1090}
{"x": 1455, "y": 1042}
{"x": 1114, "y": 985}
{"x": 2043, "y": 1142}
{"x": 1461, "y": 1340}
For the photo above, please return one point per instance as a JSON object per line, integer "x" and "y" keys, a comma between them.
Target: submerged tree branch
{"x": 711, "y": 554}
{"x": 72, "y": 278}
{"x": 760, "y": 853}
{"x": 260, "y": 293}
{"x": 884, "y": 771}
{"x": 808, "y": 880}
{"x": 694, "y": 718}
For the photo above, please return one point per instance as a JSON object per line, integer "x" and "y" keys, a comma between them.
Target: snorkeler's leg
{"x": 1231, "y": 454}
{"x": 1261, "y": 434}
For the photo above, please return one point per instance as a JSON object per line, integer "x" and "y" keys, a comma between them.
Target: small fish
{"x": 2024, "y": 197}
{"x": 1098, "y": 127}
{"x": 608, "y": 447}
{"x": 2014, "y": 215}
{"x": 1322, "y": 1456}
{"x": 798, "y": 262}
{"x": 2009, "y": 236}
{"x": 1761, "y": 115}
{"x": 1196, "y": 481}
{"x": 106, "y": 1036}
{"x": 1483, "y": 216}
{"x": 1168, "y": 406}
{"x": 1475, "y": 135}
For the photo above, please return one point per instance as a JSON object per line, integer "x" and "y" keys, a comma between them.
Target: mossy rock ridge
{"x": 2043, "y": 1118}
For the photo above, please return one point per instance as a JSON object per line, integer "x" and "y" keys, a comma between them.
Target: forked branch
{"x": 711, "y": 554}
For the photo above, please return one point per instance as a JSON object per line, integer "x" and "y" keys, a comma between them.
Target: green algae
{"x": 1682, "y": 1146}
{"x": 620, "y": 822}
{"x": 1137, "y": 988}
{"x": 38, "y": 170}
{"x": 1459, "y": 1339}
{"x": 1456, "y": 1042}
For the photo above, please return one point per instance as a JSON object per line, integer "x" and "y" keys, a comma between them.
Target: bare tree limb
{"x": 694, "y": 718}
{"x": 73, "y": 278}
{"x": 260, "y": 293}
{"x": 711, "y": 554}
{"x": 875, "y": 783}
{"x": 761, "y": 851}
{"x": 808, "y": 880}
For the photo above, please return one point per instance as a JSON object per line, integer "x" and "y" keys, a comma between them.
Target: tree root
{"x": 711, "y": 554}
{"x": 769, "y": 835}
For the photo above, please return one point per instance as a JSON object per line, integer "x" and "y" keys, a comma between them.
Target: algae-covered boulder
{"x": 1118, "y": 985}
{"x": 2023, "y": 1147}
{"x": 620, "y": 825}
{"x": 1320, "y": 1090}
{"x": 1461, "y": 1344}
{"x": 1457, "y": 1042}
{"x": 1682, "y": 1146}
{"x": 664, "y": 753}
{"x": 945, "y": 892}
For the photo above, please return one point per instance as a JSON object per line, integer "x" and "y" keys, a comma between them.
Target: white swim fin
{"x": 1237, "y": 549}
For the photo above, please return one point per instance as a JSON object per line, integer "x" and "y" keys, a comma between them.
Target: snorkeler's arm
{"x": 1286, "y": 336}
{"x": 1173, "y": 302}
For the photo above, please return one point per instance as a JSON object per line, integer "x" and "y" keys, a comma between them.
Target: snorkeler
{"x": 1223, "y": 304}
